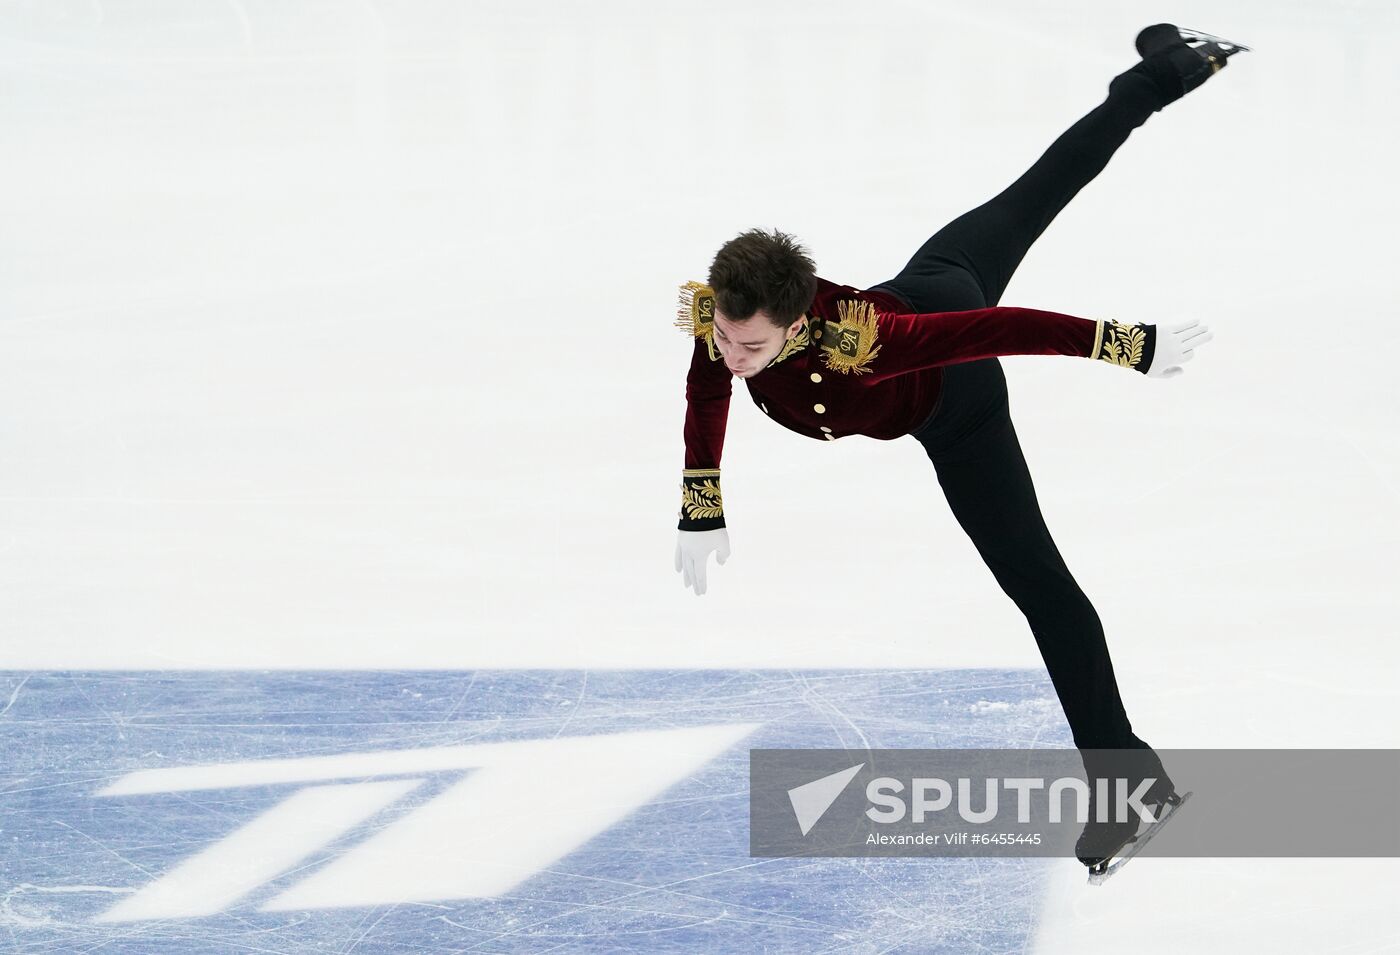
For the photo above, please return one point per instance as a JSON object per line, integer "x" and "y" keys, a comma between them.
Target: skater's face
{"x": 749, "y": 346}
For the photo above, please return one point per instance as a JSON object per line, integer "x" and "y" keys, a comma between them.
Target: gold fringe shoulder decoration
{"x": 695, "y": 315}
{"x": 849, "y": 346}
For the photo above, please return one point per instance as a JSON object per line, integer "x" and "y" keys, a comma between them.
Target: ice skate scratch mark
{"x": 365, "y": 934}
{"x": 461, "y": 699}
{"x": 696, "y": 921}
{"x": 116, "y": 721}
{"x": 15, "y": 694}
{"x": 791, "y": 921}
{"x": 31, "y": 887}
{"x": 824, "y": 705}
{"x": 727, "y": 915}
{"x": 583, "y": 689}
{"x": 109, "y": 850}
{"x": 12, "y": 918}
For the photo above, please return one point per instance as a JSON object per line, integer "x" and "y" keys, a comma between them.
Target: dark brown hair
{"x": 760, "y": 270}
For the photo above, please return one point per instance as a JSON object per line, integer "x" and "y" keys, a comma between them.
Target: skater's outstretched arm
{"x": 701, "y": 531}
{"x": 912, "y": 342}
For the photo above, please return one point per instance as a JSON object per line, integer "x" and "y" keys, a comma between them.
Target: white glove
{"x": 1176, "y": 343}
{"x": 693, "y": 549}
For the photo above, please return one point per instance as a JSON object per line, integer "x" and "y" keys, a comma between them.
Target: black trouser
{"x": 970, "y": 438}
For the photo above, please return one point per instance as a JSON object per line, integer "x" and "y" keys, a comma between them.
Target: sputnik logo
{"x": 519, "y": 807}
{"x": 810, "y": 801}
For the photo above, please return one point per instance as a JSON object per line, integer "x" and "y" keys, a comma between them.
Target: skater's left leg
{"x": 984, "y": 476}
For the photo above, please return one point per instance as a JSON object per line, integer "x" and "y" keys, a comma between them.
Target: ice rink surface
{"x": 175, "y": 864}
{"x": 336, "y": 343}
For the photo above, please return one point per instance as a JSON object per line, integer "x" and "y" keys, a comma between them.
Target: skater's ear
{"x": 795, "y": 328}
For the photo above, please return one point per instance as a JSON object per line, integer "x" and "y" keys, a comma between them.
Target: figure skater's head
{"x": 764, "y": 283}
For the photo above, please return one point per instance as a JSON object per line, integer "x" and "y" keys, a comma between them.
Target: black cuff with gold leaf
{"x": 1130, "y": 346}
{"x": 701, "y": 507}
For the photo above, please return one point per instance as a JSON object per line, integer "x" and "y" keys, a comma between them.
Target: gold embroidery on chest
{"x": 849, "y": 345}
{"x": 695, "y": 314}
{"x": 1123, "y": 344}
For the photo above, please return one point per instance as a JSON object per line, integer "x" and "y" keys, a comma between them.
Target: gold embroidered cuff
{"x": 701, "y": 507}
{"x": 1130, "y": 346}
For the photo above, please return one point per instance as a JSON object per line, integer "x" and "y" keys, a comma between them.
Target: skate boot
{"x": 1106, "y": 847}
{"x": 1187, "y": 57}
{"x": 1101, "y": 842}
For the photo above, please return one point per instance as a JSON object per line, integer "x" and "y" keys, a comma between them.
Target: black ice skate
{"x": 1105, "y": 847}
{"x": 1102, "y": 842}
{"x": 1193, "y": 56}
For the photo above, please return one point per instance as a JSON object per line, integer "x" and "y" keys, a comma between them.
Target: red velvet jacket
{"x": 864, "y": 364}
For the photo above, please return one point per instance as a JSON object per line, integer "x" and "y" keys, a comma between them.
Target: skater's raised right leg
{"x": 981, "y": 249}
{"x": 987, "y": 244}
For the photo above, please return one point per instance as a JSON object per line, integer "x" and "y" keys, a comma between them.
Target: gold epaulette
{"x": 695, "y": 314}
{"x": 848, "y": 345}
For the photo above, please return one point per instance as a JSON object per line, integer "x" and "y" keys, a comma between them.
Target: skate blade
{"x": 1193, "y": 36}
{"x": 1133, "y": 847}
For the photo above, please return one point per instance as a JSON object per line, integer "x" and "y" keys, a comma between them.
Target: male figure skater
{"x": 917, "y": 355}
